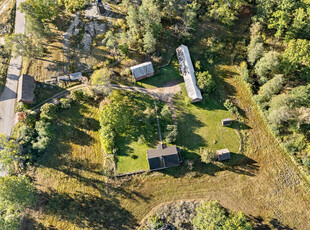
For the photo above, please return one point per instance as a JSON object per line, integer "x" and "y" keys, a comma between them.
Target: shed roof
{"x": 63, "y": 78}
{"x": 76, "y": 76}
{"x": 26, "y": 87}
{"x": 223, "y": 154}
{"x": 143, "y": 69}
{"x": 188, "y": 73}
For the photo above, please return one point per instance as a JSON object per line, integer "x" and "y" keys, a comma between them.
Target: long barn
{"x": 188, "y": 72}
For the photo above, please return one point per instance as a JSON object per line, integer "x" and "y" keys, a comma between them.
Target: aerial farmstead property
{"x": 188, "y": 72}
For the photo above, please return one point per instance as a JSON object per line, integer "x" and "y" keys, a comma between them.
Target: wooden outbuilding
{"x": 26, "y": 85}
{"x": 142, "y": 71}
{"x": 227, "y": 121}
{"x": 222, "y": 154}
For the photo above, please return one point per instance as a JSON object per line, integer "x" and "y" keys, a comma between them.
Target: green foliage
{"x": 231, "y": 107}
{"x": 101, "y": 77}
{"x": 255, "y": 49}
{"x": 79, "y": 95}
{"x": 149, "y": 42}
{"x": 281, "y": 115}
{"x": 295, "y": 143}
{"x": 171, "y": 133}
{"x": 48, "y": 111}
{"x": 9, "y": 153}
{"x": 211, "y": 215}
{"x": 22, "y": 45}
{"x": 297, "y": 53}
{"x": 141, "y": 140}
{"x": 153, "y": 223}
{"x": 268, "y": 63}
{"x": 207, "y": 156}
{"x": 16, "y": 194}
{"x": 306, "y": 161}
{"x": 205, "y": 82}
{"x": 73, "y": 5}
{"x": 65, "y": 103}
{"x": 225, "y": 11}
{"x": 271, "y": 88}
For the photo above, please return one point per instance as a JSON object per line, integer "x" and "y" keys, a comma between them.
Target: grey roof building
{"x": 163, "y": 157}
{"x": 76, "y": 76}
{"x": 142, "y": 71}
{"x": 226, "y": 122}
{"x": 222, "y": 154}
{"x": 188, "y": 72}
{"x": 26, "y": 87}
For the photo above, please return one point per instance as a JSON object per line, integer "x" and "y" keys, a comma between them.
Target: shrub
{"x": 306, "y": 161}
{"x": 205, "y": 82}
{"x": 79, "y": 95}
{"x": 171, "y": 134}
{"x": 255, "y": 49}
{"x": 207, "y": 156}
{"x": 271, "y": 88}
{"x": 65, "y": 103}
{"x": 281, "y": 115}
{"x": 48, "y": 111}
{"x": 268, "y": 63}
{"x": 231, "y": 107}
{"x": 141, "y": 140}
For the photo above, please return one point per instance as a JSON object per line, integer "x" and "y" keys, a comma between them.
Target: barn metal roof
{"x": 143, "y": 69}
{"x": 187, "y": 69}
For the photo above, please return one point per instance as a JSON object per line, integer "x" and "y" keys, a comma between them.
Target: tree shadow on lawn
{"x": 239, "y": 164}
{"x": 273, "y": 224}
{"x": 86, "y": 210}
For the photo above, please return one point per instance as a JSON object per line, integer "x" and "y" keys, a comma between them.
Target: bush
{"x": 306, "y": 161}
{"x": 231, "y": 107}
{"x": 268, "y": 63}
{"x": 271, "y": 88}
{"x": 255, "y": 49}
{"x": 79, "y": 95}
{"x": 141, "y": 140}
{"x": 65, "y": 103}
{"x": 207, "y": 156}
{"x": 205, "y": 82}
{"x": 171, "y": 134}
{"x": 48, "y": 111}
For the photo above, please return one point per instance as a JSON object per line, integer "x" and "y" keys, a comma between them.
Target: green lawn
{"x": 164, "y": 75}
{"x": 131, "y": 156}
{"x": 199, "y": 126}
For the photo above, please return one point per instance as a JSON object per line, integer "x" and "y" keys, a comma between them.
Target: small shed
{"x": 76, "y": 76}
{"x": 222, "y": 154}
{"x": 142, "y": 71}
{"x": 26, "y": 85}
{"x": 227, "y": 121}
{"x": 63, "y": 78}
{"x": 164, "y": 157}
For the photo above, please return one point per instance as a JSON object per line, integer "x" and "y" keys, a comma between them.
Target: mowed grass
{"x": 163, "y": 76}
{"x": 199, "y": 126}
{"x": 131, "y": 155}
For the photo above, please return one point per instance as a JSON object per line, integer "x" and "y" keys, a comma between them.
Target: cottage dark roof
{"x": 223, "y": 154}
{"x": 26, "y": 87}
{"x": 163, "y": 157}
